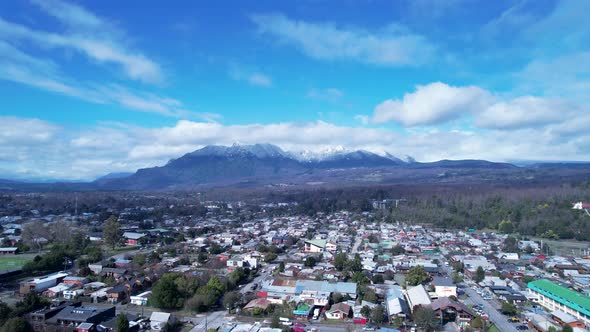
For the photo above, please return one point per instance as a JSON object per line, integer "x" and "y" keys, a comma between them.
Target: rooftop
{"x": 562, "y": 295}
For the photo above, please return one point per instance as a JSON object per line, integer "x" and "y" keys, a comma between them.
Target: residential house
{"x": 132, "y": 238}
{"x": 315, "y": 246}
{"x": 339, "y": 311}
{"x": 159, "y": 319}
{"x": 444, "y": 287}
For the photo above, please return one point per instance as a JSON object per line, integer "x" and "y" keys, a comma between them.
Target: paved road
{"x": 496, "y": 317}
{"x": 357, "y": 244}
{"x": 212, "y": 320}
{"x": 258, "y": 280}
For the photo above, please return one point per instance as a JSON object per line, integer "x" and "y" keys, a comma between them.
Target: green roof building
{"x": 556, "y": 297}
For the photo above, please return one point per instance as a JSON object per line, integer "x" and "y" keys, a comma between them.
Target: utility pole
{"x": 76, "y": 209}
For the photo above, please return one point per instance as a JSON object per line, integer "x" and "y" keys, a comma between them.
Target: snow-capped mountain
{"x": 217, "y": 165}
{"x": 309, "y": 155}
{"x": 236, "y": 149}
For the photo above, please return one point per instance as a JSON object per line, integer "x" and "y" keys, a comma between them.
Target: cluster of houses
{"x": 316, "y": 288}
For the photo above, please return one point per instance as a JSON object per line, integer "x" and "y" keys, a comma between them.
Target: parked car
{"x": 522, "y": 327}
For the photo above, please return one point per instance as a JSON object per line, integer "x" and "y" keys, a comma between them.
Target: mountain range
{"x": 268, "y": 165}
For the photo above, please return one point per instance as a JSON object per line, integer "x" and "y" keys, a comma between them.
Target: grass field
{"x": 12, "y": 262}
{"x": 565, "y": 247}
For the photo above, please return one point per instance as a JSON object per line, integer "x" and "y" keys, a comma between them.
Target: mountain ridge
{"x": 240, "y": 165}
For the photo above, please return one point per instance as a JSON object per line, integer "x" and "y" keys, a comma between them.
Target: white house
{"x": 339, "y": 311}
{"x": 444, "y": 287}
{"x": 159, "y": 319}
{"x": 140, "y": 299}
{"x": 417, "y": 296}
{"x": 314, "y": 246}
{"x": 331, "y": 246}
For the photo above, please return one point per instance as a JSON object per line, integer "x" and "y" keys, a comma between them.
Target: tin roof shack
{"x": 41, "y": 284}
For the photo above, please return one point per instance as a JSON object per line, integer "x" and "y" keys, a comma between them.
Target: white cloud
{"x": 103, "y": 49}
{"x": 239, "y": 72}
{"x": 72, "y": 15}
{"x": 431, "y": 104}
{"x": 393, "y": 46}
{"x": 19, "y": 67}
{"x": 438, "y": 103}
{"x": 14, "y": 130}
{"x": 260, "y": 80}
{"x": 364, "y": 119}
{"x": 64, "y": 153}
{"x": 524, "y": 111}
{"x": 563, "y": 76}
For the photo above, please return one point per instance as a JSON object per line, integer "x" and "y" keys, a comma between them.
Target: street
{"x": 496, "y": 317}
{"x": 211, "y": 320}
{"x": 357, "y": 244}
{"x": 258, "y": 280}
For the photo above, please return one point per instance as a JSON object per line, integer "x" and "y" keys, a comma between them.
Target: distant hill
{"x": 268, "y": 165}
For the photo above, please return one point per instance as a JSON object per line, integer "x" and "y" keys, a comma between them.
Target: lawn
{"x": 12, "y": 262}
{"x": 493, "y": 328}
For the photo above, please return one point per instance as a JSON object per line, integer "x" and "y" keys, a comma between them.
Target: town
{"x": 243, "y": 266}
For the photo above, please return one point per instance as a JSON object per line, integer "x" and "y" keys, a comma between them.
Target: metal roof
{"x": 562, "y": 295}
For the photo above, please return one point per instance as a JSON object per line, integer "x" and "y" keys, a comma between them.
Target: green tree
{"x": 377, "y": 314}
{"x": 165, "y": 294}
{"x": 31, "y": 301}
{"x": 505, "y": 226}
{"x": 111, "y": 232}
{"x": 510, "y": 244}
{"x": 480, "y": 274}
{"x": 275, "y": 322}
{"x": 5, "y": 312}
{"x": 232, "y": 299}
{"x": 398, "y": 250}
{"x": 216, "y": 284}
{"x": 378, "y": 279}
{"x": 366, "y": 311}
{"x": 480, "y": 324}
{"x": 139, "y": 259}
{"x": 552, "y": 329}
{"x": 509, "y": 308}
{"x": 340, "y": 261}
{"x": 16, "y": 324}
{"x": 457, "y": 278}
{"x": 417, "y": 275}
{"x": 425, "y": 318}
{"x": 370, "y": 296}
{"x": 310, "y": 261}
{"x": 567, "y": 328}
{"x": 282, "y": 267}
{"x": 355, "y": 265}
{"x": 122, "y": 324}
{"x": 270, "y": 257}
{"x": 360, "y": 279}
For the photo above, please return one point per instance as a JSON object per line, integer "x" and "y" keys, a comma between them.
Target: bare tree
{"x": 35, "y": 234}
{"x": 61, "y": 232}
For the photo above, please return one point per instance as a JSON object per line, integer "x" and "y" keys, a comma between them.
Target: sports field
{"x": 8, "y": 263}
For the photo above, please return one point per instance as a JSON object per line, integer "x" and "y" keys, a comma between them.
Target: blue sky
{"x": 100, "y": 86}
